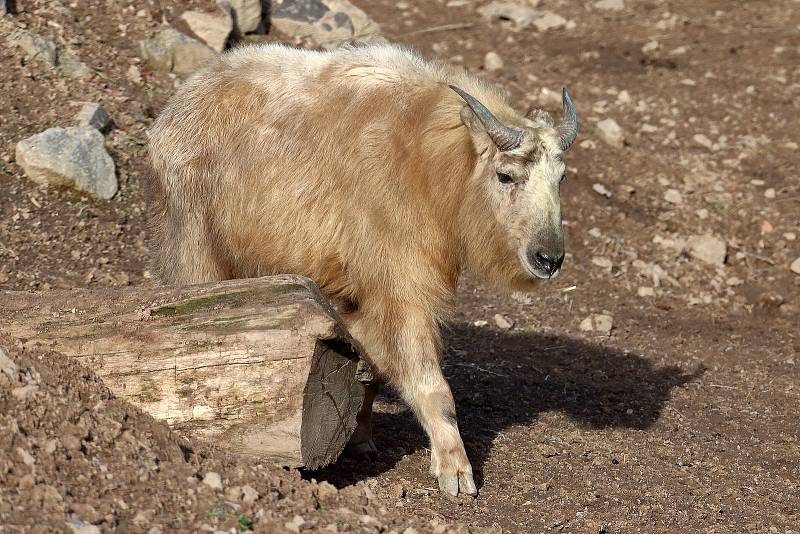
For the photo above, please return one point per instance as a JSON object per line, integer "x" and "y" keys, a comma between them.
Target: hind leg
{"x": 189, "y": 256}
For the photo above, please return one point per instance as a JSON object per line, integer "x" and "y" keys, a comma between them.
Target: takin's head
{"x": 520, "y": 170}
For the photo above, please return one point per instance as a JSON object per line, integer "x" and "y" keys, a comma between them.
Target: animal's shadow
{"x": 505, "y": 379}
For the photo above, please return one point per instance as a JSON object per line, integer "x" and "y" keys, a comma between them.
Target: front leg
{"x": 403, "y": 344}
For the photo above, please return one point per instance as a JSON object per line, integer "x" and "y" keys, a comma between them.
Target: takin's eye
{"x": 504, "y": 178}
{"x": 563, "y": 177}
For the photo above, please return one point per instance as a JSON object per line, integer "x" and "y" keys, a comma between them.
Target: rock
{"x": 600, "y": 189}
{"x": 8, "y": 369}
{"x": 25, "y": 456}
{"x": 326, "y": 491}
{"x": 650, "y": 46}
{"x": 492, "y": 61}
{"x": 673, "y": 196}
{"x": 295, "y": 524}
{"x": 703, "y": 141}
{"x": 603, "y": 263}
{"x": 769, "y": 193}
{"x": 610, "y": 5}
{"x": 410, "y": 530}
{"x": 644, "y": 291}
{"x": 172, "y": 51}
{"x": 549, "y": 21}
{"x": 81, "y": 527}
{"x": 248, "y": 14}
{"x": 520, "y": 15}
{"x": 213, "y": 29}
{"x": 610, "y": 132}
{"x": 550, "y": 99}
{"x": 249, "y": 495}
{"x": 708, "y": 249}
{"x": 598, "y": 322}
{"x": 3, "y": 7}
{"x": 213, "y": 480}
{"x": 325, "y": 23}
{"x": 134, "y": 74}
{"x": 503, "y": 322}
{"x": 35, "y": 46}
{"x": 74, "y": 157}
{"x": 795, "y": 266}
{"x": 93, "y": 115}
{"x": 70, "y": 66}
{"x": 479, "y": 323}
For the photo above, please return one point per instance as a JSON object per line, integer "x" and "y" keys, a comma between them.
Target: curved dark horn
{"x": 504, "y": 137}
{"x": 568, "y": 129}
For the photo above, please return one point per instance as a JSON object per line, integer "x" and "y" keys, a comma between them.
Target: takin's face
{"x": 521, "y": 172}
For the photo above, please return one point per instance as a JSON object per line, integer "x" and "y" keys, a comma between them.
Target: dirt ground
{"x": 683, "y": 419}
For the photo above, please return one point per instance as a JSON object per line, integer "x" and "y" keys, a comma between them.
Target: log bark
{"x": 262, "y": 367}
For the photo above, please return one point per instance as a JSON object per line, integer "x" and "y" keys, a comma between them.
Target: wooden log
{"x": 262, "y": 367}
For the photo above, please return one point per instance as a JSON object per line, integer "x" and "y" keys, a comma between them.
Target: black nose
{"x": 549, "y": 263}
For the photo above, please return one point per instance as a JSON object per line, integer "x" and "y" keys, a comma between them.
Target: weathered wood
{"x": 260, "y": 366}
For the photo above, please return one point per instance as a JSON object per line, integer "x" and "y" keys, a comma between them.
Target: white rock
{"x": 35, "y": 46}
{"x": 602, "y": 262}
{"x": 613, "y": 5}
{"x": 503, "y": 322}
{"x": 795, "y": 266}
{"x": 600, "y": 189}
{"x": 94, "y": 115}
{"x": 172, "y": 51}
{"x": 492, "y": 61}
{"x": 708, "y": 249}
{"x": 295, "y": 524}
{"x": 650, "y": 46}
{"x": 673, "y": 196}
{"x": 702, "y": 213}
{"x": 520, "y": 15}
{"x": 213, "y": 480}
{"x": 703, "y": 141}
{"x": 769, "y": 193}
{"x": 789, "y": 236}
{"x": 549, "y": 21}
{"x": 624, "y": 97}
{"x": 610, "y": 132}
{"x": 214, "y": 29}
{"x": 598, "y": 322}
{"x": 74, "y": 157}
{"x": 645, "y": 291}
{"x": 480, "y": 322}
{"x": 81, "y": 527}
{"x": 134, "y": 74}
{"x": 248, "y": 14}
{"x": 8, "y": 369}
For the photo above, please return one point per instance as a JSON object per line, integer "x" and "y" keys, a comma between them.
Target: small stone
{"x": 610, "y": 132}
{"x": 134, "y": 74}
{"x": 549, "y": 21}
{"x": 702, "y": 213}
{"x": 650, "y": 46}
{"x": 766, "y": 228}
{"x": 410, "y": 530}
{"x": 8, "y": 369}
{"x": 602, "y": 323}
{"x": 769, "y": 193}
{"x": 93, "y": 115}
{"x": 24, "y": 393}
{"x": 708, "y": 249}
{"x": 644, "y": 291}
{"x": 369, "y": 520}
{"x": 213, "y": 29}
{"x": 295, "y": 524}
{"x": 603, "y": 263}
{"x": 624, "y": 97}
{"x": 248, "y": 14}
{"x": 71, "y": 443}
{"x": 480, "y": 323}
{"x": 600, "y": 189}
{"x": 520, "y": 15}
{"x": 789, "y": 236}
{"x": 233, "y": 493}
{"x": 81, "y": 527}
{"x": 397, "y": 491}
{"x": 74, "y": 156}
{"x": 795, "y": 266}
{"x": 734, "y": 281}
{"x": 673, "y": 196}
{"x": 703, "y": 141}
{"x": 492, "y": 61}
{"x": 326, "y": 491}
{"x": 611, "y": 5}
{"x": 213, "y": 480}
{"x": 249, "y": 495}
{"x": 503, "y": 322}
{"x": 25, "y": 456}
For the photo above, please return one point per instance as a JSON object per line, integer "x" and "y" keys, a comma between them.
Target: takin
{"x": 379, "y": 175}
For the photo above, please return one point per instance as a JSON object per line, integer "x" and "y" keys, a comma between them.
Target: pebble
{"x": 703, "y": 141}
{"x": 81, "y": 527}
{"x": 790, "y": 236}
{"x": 645, "y": 291}
{"x": 480, "y": 323}
{"x": 598, "y": 322}
{"x": 249, "y": 495}
{"x": 600, "y": 189}
{"x": 610, "y": 132}
{"x": 295, "y": 524}
{"x": 134, "y": 74}
{"x": 650, "y": 46}
{"x": 95, "y": 116}
{"x": 769, "y": 193}
{"x": 549, "y": 21}
{"x": 612, "y": 5}
{"x": 603, "y": 263}
{"x": 708, "y": 249}
{"x": 503, "y": 322}
{"x": 25, "y": 456}
{"x": 410, "y": 530}
{"x": 702, "y": 213}
{"x": 520, "y": 15}
{"x": 673, "y": 196}
{"x": 492, "y": 61}
{"x": 795, "y": 266}
{"x": 213, "y": 480}
{"x": 8, "y": 369}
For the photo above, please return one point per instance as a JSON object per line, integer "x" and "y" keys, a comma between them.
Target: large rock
{"x": 248, "y": 14}
{"x": 213, "y": 29}
{"x": 35, "y": 46}
{"x": 708, "y": 249}
{"x": 74, "y": 157}
{"x": 325, "y": 23}
{"x": 172, "y": 51}
{"x": 94, "y": 115}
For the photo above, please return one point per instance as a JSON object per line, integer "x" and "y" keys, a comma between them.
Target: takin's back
{"x": 335, "y": 165}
